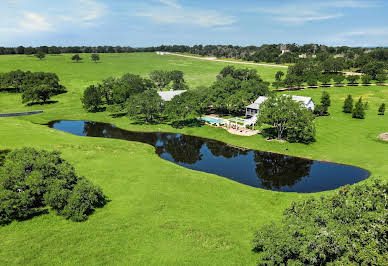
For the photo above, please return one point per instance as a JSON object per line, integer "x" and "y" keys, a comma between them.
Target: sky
{"x": 155, "y": 22}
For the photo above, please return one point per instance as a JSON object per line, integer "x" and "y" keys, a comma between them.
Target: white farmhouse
{"x": 168, "y": 95}
{"x": 253, "y": 109}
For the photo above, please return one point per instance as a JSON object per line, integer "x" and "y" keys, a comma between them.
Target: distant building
{"x": 168, "y": 95}
{"x": 367, "y": 51}
{"x": 339, "y": 55}
{"x": 161, "y": 53}
{"x": 283, "y": 49}
{"x": 302, "y": 55}
{"x": 253, "y": 109}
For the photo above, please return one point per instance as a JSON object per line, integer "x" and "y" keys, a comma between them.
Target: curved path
{"x": 21, "y": 114}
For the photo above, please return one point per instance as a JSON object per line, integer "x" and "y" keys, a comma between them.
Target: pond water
{"x": 250, "y": 167}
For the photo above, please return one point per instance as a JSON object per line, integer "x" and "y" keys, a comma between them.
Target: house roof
{"x": 262, "y": 99}
{"x": 303, "y": 99}
{"x": 168, "y": 95}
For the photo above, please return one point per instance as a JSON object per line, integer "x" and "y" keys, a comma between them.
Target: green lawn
{"x": 160, "y": 213}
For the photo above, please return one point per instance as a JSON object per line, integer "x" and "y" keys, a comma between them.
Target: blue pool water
{"x": 211, "y": 120}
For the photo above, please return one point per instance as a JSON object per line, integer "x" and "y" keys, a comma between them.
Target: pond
{"x": 254, "y": 168}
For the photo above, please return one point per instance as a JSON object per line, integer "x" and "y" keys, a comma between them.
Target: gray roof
{"x": 303, "y": 99}
{"x": 168, "y": 95}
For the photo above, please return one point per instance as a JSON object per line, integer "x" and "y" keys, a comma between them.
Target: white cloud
{"x": 360, "y": 37}
{"x": 174, "y": 15}
{"x": 34, "y": 22}
{"x": 303, "y": 11}
{"x": 171, "y": 3}
{"x": 85, "y": 12}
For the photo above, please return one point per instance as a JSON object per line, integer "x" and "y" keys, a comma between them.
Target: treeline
{"x": 328, "y": 72}
{"x": 271, "y": 53}
{"x": 34, "y": 86}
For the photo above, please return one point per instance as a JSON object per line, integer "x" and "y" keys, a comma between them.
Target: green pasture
{"x": 160, "y": 213}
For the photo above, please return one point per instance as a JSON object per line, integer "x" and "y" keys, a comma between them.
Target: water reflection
{"x": 254, "y": 168}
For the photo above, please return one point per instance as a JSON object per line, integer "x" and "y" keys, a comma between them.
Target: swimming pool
{"x": 212, "y": 120}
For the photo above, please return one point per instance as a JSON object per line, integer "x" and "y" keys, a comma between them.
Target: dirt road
{"x": 214, "y": 59}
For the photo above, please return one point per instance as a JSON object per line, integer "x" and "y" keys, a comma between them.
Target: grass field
{"x": 160, "y": 213}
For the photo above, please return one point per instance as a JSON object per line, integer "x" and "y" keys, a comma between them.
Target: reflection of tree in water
{"x": 276, "y": 170}
{"x": 95, "y": 129}
{"x": 183, "y": 149}
{"x": 221, "y": 149}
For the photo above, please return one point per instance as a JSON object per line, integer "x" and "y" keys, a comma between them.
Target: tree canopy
{"x": 291, "y": 121}
{"x": 347, "y": 227}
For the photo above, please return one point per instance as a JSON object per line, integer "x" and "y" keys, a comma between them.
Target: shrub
{"x": 345, "y": 228}
{"x": 359, "y": 110}
{"x": 382, "y": 109}
{"x": 82, "y": 201}
{"x": 348, "y": 104}
{"x": 31, "y": 180}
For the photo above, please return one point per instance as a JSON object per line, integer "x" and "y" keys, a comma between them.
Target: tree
{"x": 290, "y": 80}
{"x": 322, "y": 109}
{"x": 147, "y": 105}
{"x": 301, "y": 127}
{"x": 54, "y": 50}
{"x": 76, "y": 58}
{"x": 279, "y": 75}
{"x": 32, "y": 180}
{"x": 40, "y": 55}
{"x": 373, "y": 68}
{"x": 352, "y": 79}
{"x": 95, "y": 57}
{"x": 338, "y": 79}
{"x": 38, "y": 93}
{"x": 29, "y": 50}
{"x": 347, "y": 227}
{"x": 359, "y": 110}
{"x": 188, "y": 105}
{"x": 366, "y": 79}
{"x": 161, "y": 78}
{"x": 325, "y": 79}
{"x": 20, "y": 50}
{"x": 348, "y": 105}
{"x": 381, "y": 78}
{"x": 325, "y": 99}
{"x": 176, "y": 77}
{"x": 381, "y": 109}
{"x": 91, "y": 99}
{"x": 287, "y": 116}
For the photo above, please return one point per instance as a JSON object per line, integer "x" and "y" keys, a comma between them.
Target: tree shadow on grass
{"x": 187, "y": 123}
{"x": 118, "y": 115}
{"x": 269, "y": 133}
{"x": 41, "y": 103}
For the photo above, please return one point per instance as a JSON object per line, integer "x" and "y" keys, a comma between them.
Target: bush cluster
{"x": 32, "y": 180}
{"x": 346, "y": 228}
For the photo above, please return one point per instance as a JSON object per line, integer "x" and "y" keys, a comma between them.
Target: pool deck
{"x": 231, "y": 128}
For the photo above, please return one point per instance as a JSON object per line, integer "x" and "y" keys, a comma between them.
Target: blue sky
{"x": 155, "y": 22}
